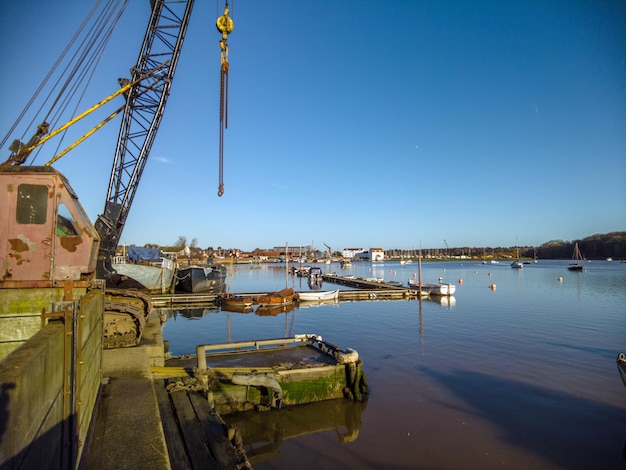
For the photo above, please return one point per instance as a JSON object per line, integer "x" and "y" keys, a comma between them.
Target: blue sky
{"x": 360, "y": 123}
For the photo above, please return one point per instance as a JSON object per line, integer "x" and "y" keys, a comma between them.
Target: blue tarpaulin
{"x": 137, "y": 253}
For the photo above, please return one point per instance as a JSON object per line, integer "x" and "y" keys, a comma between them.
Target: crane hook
{"x": 225, "y": 25}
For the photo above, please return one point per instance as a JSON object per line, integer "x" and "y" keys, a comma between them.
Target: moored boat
{"x": 235, "y": 300}
{"x": 302, "y": 271}
{"x": 517, "y": 264}
{"x": 284, "y": 296}
{"x": 318, "y": 295}
{"x": 577, "y": 260}
{"x": 315, "y": 275}
{"x": 196, "y": 279}
{"x": 155, "y": 279}
{"x": 433, "y": 289}
{"x": 274, "y": 373}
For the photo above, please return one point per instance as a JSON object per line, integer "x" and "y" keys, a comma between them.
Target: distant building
{"x": 350, "y": 253}
{"x": 373, "y": 254}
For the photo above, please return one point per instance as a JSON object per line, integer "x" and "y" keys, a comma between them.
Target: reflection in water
{"x": 318, "y": 303}
{"x": 517, "y": 410}
{"x": 271, "y": 310}
{"x": 443, "y": 300}
{"x": 191, "y": 313}
{"x": 263, "y": 433}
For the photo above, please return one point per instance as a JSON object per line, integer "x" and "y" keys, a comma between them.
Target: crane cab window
{"x": 32, "y": 204}
{"x": 66, "y": 224}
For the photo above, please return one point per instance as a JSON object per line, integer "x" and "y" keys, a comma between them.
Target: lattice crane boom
{"x": 145, "y": 103}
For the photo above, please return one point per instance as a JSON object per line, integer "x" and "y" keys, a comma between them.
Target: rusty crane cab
{"x": 47, "y": 239}
{"x": 48, "y": 251}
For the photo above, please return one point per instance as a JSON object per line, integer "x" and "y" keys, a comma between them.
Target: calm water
{"x": 522, "y": 376}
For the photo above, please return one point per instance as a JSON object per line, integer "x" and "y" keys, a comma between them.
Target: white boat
{"x": 315, "y": 275}
{"x": 443, "y": 289}
{"x": 317, "y": 295}
{"x": 433, "y": 289}
{"x": 517, "y": 264}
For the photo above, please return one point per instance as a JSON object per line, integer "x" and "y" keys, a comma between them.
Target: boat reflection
{"x": 318, "y": 303}
{"x": 444, "y": 300}
{"x": 263, "y": 433}
{"x": 271, "y": 310}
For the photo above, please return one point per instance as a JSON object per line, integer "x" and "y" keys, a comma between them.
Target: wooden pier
{"x": 197, "y": 437}
{"x": 363, "y": 290}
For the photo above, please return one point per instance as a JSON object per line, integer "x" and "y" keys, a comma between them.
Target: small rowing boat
{"x": 433, "y": 289}
{"x": 284, "y": 296}
{"x": 318, "y": 295}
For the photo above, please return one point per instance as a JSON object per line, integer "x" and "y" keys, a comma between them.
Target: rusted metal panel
{"x": 45, "y": 234}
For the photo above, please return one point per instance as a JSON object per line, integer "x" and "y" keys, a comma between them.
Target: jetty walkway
{"x": 138, "y": 424}
{"x": 361, "y": 290}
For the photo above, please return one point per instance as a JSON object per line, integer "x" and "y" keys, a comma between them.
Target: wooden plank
{"x": 192, "y": 433}
{"x": 173, "y": 438}
{"x": 216, "y": 434}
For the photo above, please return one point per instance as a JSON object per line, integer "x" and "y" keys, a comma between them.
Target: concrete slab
{"x": 127, "y": 430}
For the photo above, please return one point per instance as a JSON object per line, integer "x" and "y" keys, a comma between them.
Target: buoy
{"x": 488, "y": 274}
{"x": 460, "y": 281}
{"x": 440, "y": 278}
{"x": 560, "y": 279}
{"x": 492, "y": 287}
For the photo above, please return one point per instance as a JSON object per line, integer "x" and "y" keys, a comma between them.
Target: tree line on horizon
{"x": 598, "y": 246}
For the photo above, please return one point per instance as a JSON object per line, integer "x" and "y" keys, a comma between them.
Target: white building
{"x": 350, "y": 253}
{"x": 377, "y": 254}
{"x": 373, "y": 254}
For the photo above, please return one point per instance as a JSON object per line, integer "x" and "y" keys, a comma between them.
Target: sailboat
{"x": 577, "y": 260}
{"x": 235, "y": 301}
{"x": 517, "y": 264}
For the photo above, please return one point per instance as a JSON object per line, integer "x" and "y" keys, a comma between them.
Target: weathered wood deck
{"x": 196, "y": 436}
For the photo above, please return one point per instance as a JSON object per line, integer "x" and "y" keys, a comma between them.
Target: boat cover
{"x": 138, "y": 253}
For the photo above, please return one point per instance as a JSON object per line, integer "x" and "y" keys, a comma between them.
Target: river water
{"x": 518, "y": 371}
